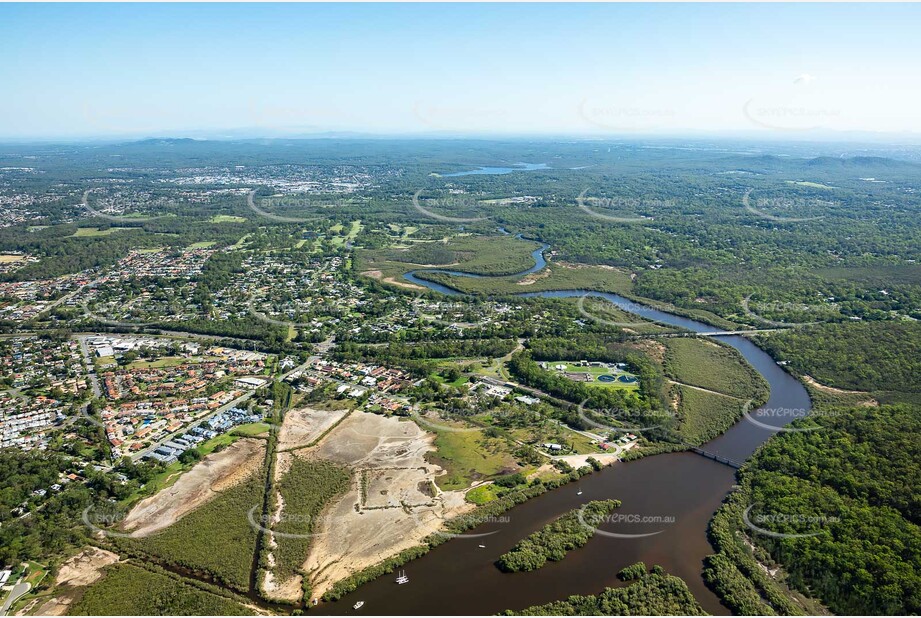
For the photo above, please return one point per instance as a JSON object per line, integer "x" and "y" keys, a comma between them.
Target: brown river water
{"x": 669, "y": 498}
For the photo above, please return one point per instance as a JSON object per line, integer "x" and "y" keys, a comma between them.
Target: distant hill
{"x": 860, "y": 162}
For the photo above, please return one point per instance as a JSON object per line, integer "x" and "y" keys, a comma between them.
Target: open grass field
{"x": 160, "y": 363}
{"x": 703, "y": 415}
{"x": 558, "y": 434}
{"x": 250, "y": 430}
{"x": 469, "y": 456}
{"x": 102, "y": 361}
{"x": 552, "y": 277}
{"x": 216, "y": 539}
{"x": 705, "y": 364}
{"x": 335, "y": 233}
{"x": 205, "y": 244}
{"x": 36, "y": 573}
{"x": 240, "y": 243}
{"x": 482, "y": 255}
{"x": 90, "y": 232}
{"x": 402, "y": 232}
{"x": 810, "y": 184}
{"x": 129, "y": 590}
{"x": 6, "y": 258}
{"x": 227, "y": 219}
{"x": 484, "y": 494}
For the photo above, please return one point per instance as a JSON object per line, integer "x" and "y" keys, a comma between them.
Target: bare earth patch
{"x": 85, "y": 568}
{"x": 289, "y": 590}
{"x": 577, "y": 461}
{"x": 377, "y": 274}
{"x": 213, "y": 474}
{"x": 363, "y": 528}
{"x": 78, "y": 572}
{"x": 403, "y": 284}
{"x": 304, "y": 425}
{"x": 392, "y": 488}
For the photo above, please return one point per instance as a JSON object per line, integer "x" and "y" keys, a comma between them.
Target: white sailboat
{"x": 401, "y": 578}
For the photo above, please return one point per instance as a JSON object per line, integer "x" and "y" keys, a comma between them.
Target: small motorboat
{"x": 358, "y": 605}
{"x": 482, "y": 547}
{"x": 579, "y": 493}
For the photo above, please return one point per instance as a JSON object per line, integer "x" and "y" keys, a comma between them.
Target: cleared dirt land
{"x": 398, "y": 507}
{"x": 213, "y": 474}
{"x": 78, "y": 572}
{"x": 304, "y": 425}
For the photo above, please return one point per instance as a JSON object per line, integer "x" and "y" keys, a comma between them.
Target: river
{"x": 670, "y": 498}
{"x": 498, "y": 171}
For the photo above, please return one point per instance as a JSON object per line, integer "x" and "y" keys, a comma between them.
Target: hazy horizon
{"x": 779, "y": 71}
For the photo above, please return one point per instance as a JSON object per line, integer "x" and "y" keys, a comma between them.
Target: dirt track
{"x": 870, "y": 402}
{"x": 215, "y": 473}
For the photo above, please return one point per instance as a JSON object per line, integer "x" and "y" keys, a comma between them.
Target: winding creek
{"x": 667, "y": 502}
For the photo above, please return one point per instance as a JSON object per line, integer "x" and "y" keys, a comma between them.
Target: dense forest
{"x": 875, "y": 356}
{"x": 653, "y": 594}
{"x": 46, "y": 533}
{"x": 845, "y": 496}
{"x": 556, "y": 539}
{"x": 128, "y": 589}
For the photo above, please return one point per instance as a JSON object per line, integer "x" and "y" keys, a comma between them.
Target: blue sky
{"x": 101, "y": 70}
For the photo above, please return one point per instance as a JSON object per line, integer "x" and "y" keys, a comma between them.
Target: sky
{"x": 83, "y": 71}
